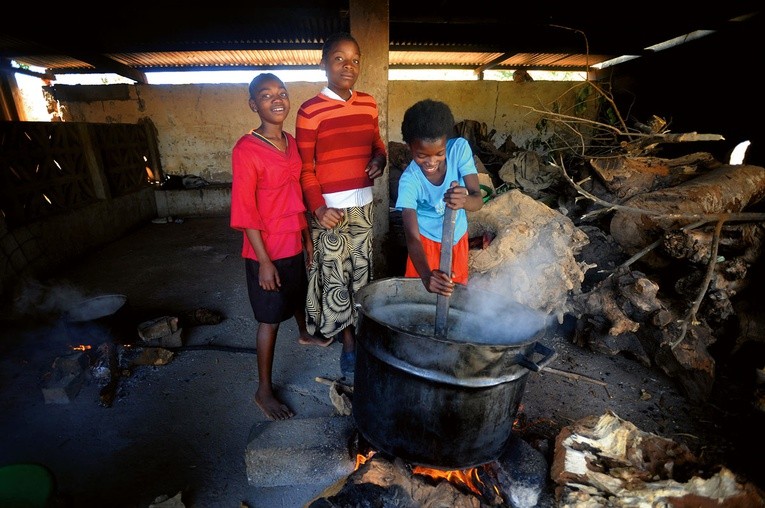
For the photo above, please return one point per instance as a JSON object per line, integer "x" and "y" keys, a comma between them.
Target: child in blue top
{"x": 442, "y": 174}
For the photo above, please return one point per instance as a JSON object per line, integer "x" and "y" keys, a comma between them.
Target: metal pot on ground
{"x": 104, "y": 318}
{"x": 443, "y": 403}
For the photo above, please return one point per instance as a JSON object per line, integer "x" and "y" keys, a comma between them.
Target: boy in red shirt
{"x": 267, "y": 206}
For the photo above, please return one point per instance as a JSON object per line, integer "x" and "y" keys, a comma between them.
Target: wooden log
{"x": 728, "y": 189}
{"x": 607, "y": 461}
{"x": 626, "y": 177}
{"x": 744, "y": 240}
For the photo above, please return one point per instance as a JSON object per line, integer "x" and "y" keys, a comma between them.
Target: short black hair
{"x": 428, "y": 120}
{"x": 259, "y": 79}
{"x": 333, "y": 39}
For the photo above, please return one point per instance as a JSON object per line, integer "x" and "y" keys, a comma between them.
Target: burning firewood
{"x": 391, "y": 483}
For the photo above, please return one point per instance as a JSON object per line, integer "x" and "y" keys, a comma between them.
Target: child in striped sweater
{"x": 338, "y": 137}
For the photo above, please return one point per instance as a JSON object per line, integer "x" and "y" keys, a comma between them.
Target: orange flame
{"x": 81, "y": 347}
{"x": 467, "y": 477}
{"x": 361, "y": 459}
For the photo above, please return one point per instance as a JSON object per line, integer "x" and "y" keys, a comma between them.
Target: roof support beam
{"x": 106, "y": 64}
{"x": 7, "y": 68}
{"x": 488, "y": 65}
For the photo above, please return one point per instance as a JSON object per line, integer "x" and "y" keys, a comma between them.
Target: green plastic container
{"x": 26, "y": 486}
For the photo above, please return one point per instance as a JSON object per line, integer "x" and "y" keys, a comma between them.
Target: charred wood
{"x": 391, "y": 483}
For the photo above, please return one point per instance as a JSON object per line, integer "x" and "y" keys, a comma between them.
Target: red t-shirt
{"x": 266, "y": 195}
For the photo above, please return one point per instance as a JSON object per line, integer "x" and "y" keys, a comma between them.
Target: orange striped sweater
{"x": 336, "y": 140}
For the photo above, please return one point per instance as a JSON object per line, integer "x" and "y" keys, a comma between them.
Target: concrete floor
{"x": 190, "y": 426}
{"x": 183, "y": 426}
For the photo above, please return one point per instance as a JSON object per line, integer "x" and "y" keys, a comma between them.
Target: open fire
{"x": 468, "y": 478}
{"x": 517, "y": 477}
{"x": 484, "y": 481}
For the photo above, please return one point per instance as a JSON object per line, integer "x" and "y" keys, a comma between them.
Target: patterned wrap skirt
{"x": 342, "y": 265}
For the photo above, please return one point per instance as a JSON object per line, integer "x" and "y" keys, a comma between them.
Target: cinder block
{"x": 308, "y": 451}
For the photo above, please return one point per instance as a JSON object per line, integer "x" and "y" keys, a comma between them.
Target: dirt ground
{"x": 183, "y": 427}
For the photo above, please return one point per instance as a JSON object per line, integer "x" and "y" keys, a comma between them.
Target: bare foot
{"x": 273, "y": 408}
{"x": 307, "y": 339}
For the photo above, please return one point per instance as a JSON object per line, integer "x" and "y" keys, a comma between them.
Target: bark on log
{"x": 728, "y": 189}
{"x": 624, "y": 314}
{"x": 690, "y": 362}
{"x": 751, "y": 325}
{"x": 742, "y": 240}
{"x": 628, "y": 176}
{"x": 616, "y": 311}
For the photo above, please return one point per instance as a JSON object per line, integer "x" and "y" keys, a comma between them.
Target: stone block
{"x": 74, "y": 363}
{"x": 157, "y": 328}
{"x": 69, "y": 374}
{"x": 172, "y": 340}
{"x": 62, "y": 390}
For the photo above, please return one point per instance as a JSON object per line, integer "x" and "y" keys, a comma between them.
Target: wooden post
{"x": 369, "y": 26}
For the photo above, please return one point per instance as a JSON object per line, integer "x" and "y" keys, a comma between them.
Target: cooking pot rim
{"x": 363, "y": 307}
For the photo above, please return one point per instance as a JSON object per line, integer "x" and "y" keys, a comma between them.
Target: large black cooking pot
{"x": 443, "y": 403}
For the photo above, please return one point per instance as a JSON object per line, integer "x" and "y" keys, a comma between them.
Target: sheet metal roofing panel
{"x": 218, "y": 59}
{"x": 547, "y": 60}
{"x": 439, "y": 58}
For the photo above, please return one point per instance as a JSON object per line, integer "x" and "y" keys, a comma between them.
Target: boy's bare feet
{"x": 272, "y": 407}
{"x": 307, "y": 339}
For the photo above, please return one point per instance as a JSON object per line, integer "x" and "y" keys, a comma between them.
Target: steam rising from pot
{"x": 475, "y": 316}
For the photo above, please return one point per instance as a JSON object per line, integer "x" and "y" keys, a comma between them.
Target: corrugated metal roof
{"x": 309, "y": 59}
{"x": 220, "y": 59}
{"x": 422, "y": 34}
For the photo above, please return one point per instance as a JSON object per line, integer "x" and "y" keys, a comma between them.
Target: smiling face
{"x": 271, "y": 101}
{"x": 430, "y": 156}
{"x": 342, "y": 65}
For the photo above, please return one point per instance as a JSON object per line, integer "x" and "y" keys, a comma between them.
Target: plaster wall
{"x": 198, "y": 125}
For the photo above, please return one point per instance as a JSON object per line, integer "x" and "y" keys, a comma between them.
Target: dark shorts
{"x": 277, "y": 306}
